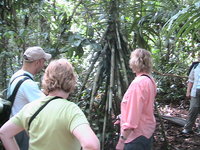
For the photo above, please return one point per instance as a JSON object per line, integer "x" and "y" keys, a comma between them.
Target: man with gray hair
{"x": 34, "y": 59}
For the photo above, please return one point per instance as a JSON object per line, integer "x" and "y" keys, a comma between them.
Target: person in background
{"x": 33, "y": 63}
{"x": 60, "y": 124}
{"x": 193, "y": 93}
{"x": 137, "y": 122}
{"x": 194, "y": 64}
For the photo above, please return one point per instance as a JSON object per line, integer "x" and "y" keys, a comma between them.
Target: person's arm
{"x": 189, "y": 87}
{"x": 86, "y": 137}
{"x": 7, "y": 133}
{"x": 123, "y": 136}
{"x": 190, "y": 83}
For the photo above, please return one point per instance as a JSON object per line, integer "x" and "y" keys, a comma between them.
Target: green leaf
{"x": 189, "y": 25}
{"x": 192, "y": 26}
{"x": 8, "y": 34}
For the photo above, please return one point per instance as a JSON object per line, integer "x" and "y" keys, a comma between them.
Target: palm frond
{"x": 183, "y": 22}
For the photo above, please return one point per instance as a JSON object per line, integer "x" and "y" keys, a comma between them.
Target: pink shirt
{"x": 137, "y": 108}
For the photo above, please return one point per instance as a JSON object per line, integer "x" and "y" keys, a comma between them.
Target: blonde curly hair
{"x": 59, "y": 75}
{"x": 140, "y": 61}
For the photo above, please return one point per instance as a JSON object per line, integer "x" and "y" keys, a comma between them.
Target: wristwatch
{"x": 123, "y": 138}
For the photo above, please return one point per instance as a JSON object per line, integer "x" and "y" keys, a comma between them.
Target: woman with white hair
{"x": 138, "y": 123}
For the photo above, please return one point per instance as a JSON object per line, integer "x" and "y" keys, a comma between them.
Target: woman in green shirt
{"x": 60, "y": 124}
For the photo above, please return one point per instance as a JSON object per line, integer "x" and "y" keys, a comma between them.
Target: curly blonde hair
{"x": 140, "y": 61}
{"x": 59, "y": 75}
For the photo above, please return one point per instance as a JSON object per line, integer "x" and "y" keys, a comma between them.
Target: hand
{"x": 186, "y": 101}
{"x": 120, "y": 144}
{"x": 117, "y": 120}
{"x": 187, "y": 97}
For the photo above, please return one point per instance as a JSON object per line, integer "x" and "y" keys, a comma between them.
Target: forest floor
{"x": 175, "y": 139}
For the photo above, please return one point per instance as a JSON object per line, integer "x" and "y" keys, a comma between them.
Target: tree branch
{"x": 167, "y": 74}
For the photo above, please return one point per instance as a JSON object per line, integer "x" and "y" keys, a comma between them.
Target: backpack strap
{"x": 38, "y": 111}
{"x": 146, "y": 76}
{"x": 193, "y": 65}
{"x": 25, "y": 74}
{"x": 11, "y": 98}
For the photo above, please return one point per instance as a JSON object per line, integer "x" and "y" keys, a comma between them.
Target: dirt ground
{"x": 175, "y": 139}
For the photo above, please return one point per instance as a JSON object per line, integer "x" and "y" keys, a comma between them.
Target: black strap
{"x": 25, "y": 74}
{"x": 146, "y": 76}
{"x": 38, "y": 111}
{"x": 11, "y": 98}
{"x": 194, "y": 65}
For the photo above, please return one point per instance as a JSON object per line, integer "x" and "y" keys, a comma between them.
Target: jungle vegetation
{"x": 97, "y": 37}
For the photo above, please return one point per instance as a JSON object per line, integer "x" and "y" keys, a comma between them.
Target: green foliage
{"x": 80, "y": 30}
{"x": 186, "y": 21}
{"x": 171, "y": 90}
